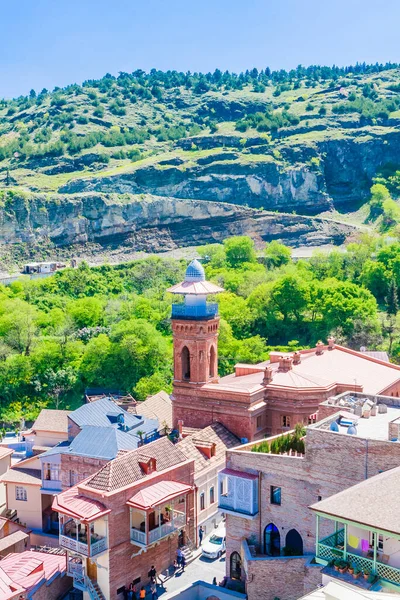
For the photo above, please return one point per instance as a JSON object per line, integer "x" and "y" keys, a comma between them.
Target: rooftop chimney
{"x": 331, "y": 343}
{"x": 285, "y": 363}
{"x": 267, "y": 376}
{"x": 180, "y": 428}
{"x": 296, "y": 358}
{"x": 319, "y": 348}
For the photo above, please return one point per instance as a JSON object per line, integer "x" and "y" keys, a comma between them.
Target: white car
{"x": 215, "y": 544}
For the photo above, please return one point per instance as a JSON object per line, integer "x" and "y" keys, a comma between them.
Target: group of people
{"x": 132, "y": 592}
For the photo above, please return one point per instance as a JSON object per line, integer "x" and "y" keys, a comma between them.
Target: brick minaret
{"x": 195, "y": 325}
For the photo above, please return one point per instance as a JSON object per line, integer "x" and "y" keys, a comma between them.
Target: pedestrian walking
{"x": 214, "y": 581}
{"x": 152, "y": 573}
{"x": 201, "y": 534}
{"x": 183, "y": 562}
{"x": 179, "y": 556}
{"x": 153, "y": 589}
{"x": 142, "y": 593}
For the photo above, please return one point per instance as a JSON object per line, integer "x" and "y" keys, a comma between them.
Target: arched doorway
{"x": 272, "y": 540}
{"x": 212, "y": 361}
{"x": 185, "y": 359}
{"x": 236, "y": 566}
{"x": 294, "y": 543}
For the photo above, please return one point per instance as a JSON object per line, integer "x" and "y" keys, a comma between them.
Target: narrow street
{"x": 200, "y": 568}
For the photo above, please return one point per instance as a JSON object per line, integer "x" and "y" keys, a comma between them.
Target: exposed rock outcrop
{"x": 151, "y": 223}
{"x": 340, "y": 177}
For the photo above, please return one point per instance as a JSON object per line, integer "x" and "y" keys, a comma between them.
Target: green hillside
{"x": 113, "y": 125}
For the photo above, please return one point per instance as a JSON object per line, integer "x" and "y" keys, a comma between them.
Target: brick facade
{"x": 79, "y": 467}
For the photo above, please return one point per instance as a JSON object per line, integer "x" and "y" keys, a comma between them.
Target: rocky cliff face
{"x": 340, "y": 177}
{"x": 149, "y": 223}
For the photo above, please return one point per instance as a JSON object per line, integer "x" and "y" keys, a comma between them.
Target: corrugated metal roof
{"x": 104, "y": 412}
{"x": 71, "y": 502}
{"x": 157, "y": 493}
{"x": 97, "y": 442}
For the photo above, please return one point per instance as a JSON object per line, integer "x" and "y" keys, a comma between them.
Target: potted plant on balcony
{"x": 356, "y": 573}
{"x": 350, "y": 569}
{"x": 343, "y": 567}
{"x": 366, "y": 574}
{"x": 336, "y": 564}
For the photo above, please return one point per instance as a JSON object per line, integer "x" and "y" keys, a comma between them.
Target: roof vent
{"x": 267, "y": 376}
{"x": 195, "y": 272}
{"x": 352, "y": 430}
{"x": 331, "y": 343}
{"x": 334, "y": 426}
{"x": 285, "y": 363}
{"x": 296, "y": 358}
{"x": 319, "y": 348}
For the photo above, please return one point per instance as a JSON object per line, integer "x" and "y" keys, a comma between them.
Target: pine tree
{"x": 392, "y": 299}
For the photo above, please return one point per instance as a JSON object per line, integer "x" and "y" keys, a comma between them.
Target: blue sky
{"x": 45, "y": 43}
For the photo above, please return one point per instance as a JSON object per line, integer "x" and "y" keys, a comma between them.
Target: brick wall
{"x": 57, "y": 588}
{"x": 283, "y": 578}
{"x": 83, "y": 466}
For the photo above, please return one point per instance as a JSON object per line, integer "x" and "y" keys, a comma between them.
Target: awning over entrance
{"x": 155, "y": 494}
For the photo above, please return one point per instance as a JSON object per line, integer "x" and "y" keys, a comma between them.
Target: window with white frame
{"x": 379, "y": 543}
{"x": 202, "y": 501}
{"x": 51, "y": 472}
{"x": 20, "y": 493}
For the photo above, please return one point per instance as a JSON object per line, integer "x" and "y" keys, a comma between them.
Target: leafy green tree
{"x": 277, "y": 254}
{"x": 392, "y": 301}
{"x": 239, "y": 250}
{"x": 86, "y": 312}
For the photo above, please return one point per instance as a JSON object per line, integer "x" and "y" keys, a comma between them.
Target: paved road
{"x": 200, "y": 568}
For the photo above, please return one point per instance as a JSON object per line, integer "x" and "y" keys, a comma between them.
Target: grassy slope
{"x": 194, "y": 113}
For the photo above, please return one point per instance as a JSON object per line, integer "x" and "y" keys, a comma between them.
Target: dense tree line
{"x": 109, "y": 326}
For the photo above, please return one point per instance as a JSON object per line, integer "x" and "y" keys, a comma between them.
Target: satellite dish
{"x": 363, "y": 349}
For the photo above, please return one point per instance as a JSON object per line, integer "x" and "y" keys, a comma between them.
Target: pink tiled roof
{"x": 157, "y": 493}
{"x": 337, "y": 366}
{"x": 74, "y": 504}
{"x": 19, "y": 573}
{"x": 197, "y": 288}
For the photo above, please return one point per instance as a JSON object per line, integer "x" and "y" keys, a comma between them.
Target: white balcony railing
{"x": 159, "y": 532}
{"x": 73, "y": 544}
{"x": 53, "y": 485}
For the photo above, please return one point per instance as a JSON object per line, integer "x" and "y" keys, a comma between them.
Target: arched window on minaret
{"x": 185, "y": 363}
{"x": 212, "y": 362}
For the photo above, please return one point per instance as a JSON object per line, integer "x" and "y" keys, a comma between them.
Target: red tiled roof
{"x": 241, "y": 474}
{"x": 158, "y": 493}
{"x": 126, "y": 469}
{"x": 201, "y": 438}
{"x": 74, "y": 504}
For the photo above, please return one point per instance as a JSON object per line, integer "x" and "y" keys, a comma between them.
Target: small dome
{"x": 195, "y": 272}
{"x": 334, "y": 426}
{"x": 352, "y": 430}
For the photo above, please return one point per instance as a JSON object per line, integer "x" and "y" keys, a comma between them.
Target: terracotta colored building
{"x": 133, "y": 513}
{"x": 263, "y": 399}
